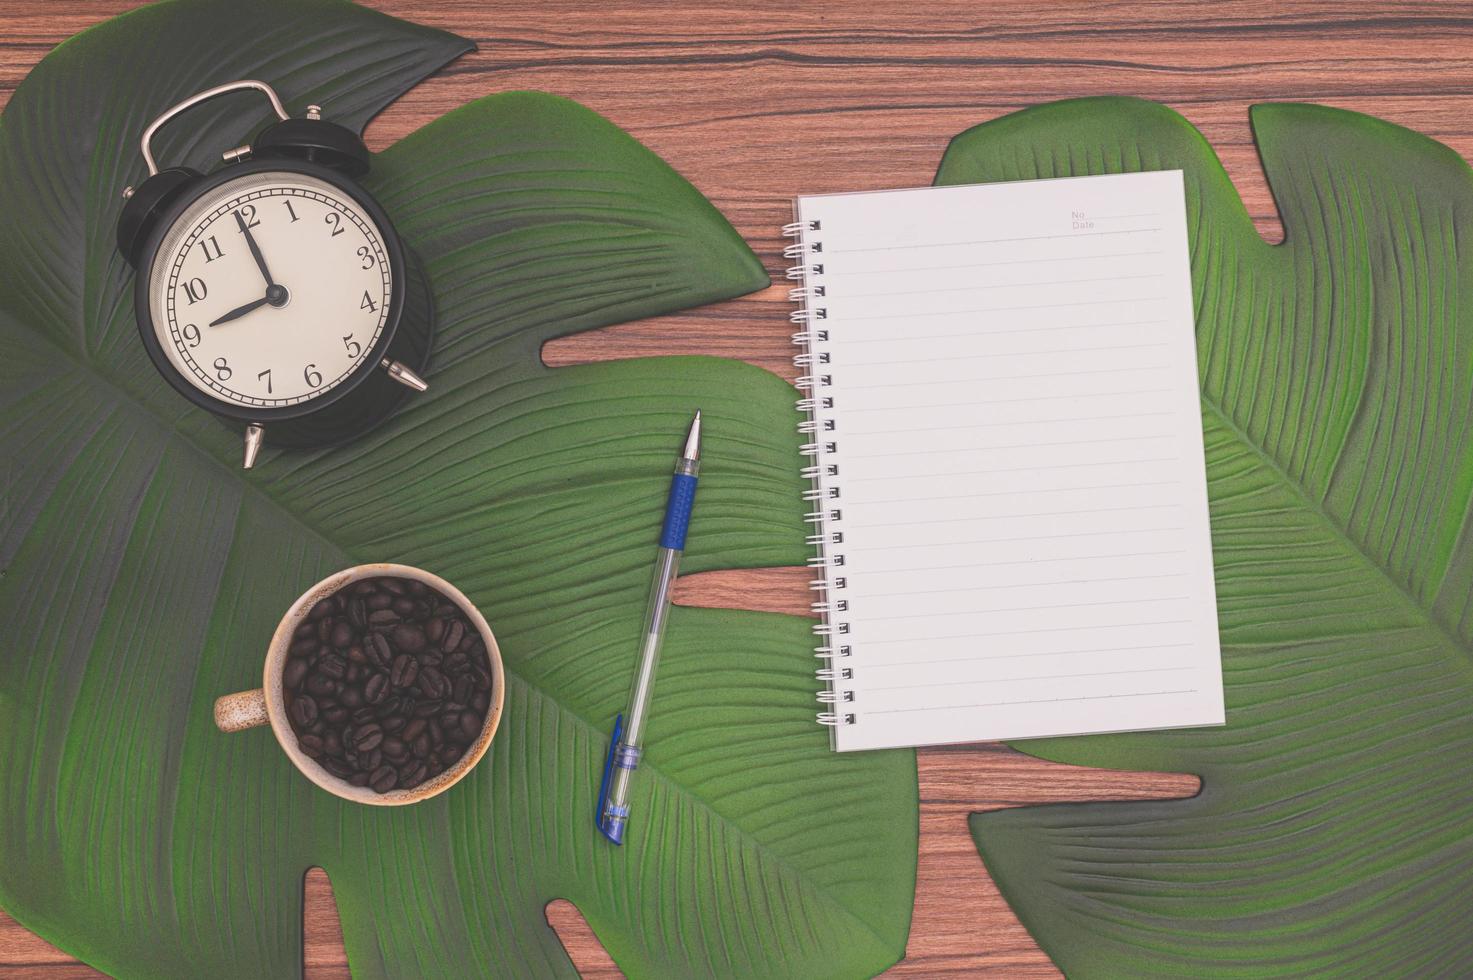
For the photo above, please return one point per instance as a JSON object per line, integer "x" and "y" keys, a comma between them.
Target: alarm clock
{"x": 274, "y": 291}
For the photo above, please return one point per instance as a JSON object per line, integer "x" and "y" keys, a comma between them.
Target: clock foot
{"x": 402, "y": 374}
{"x": 253, "y": 436}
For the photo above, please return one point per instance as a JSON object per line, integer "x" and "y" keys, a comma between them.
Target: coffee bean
{"x": 310, "y": 744}
{"x": 470, "y": 724}
{"x": 435, "y": 767}
{"x": 421, "y": 745}
{"x": 335, "y": 715}
{"x": 391, "y": 705}
{"x": 304, "y": 711}
{"x": 435, "y": 629}
{"x": 437, "y": 734}
{"x": 359, "y": 779}
{"x": 379, "y": 651}
{"x": 367, "y": 737}
{"x": 376, "y": 689}
{"x": 365, "y": 586}
{"x": 481, "y": 702}
{"x": 333, "y": 666}
{"x": 372, "y": 760}
{"x": 338, "y": 769}
{"x": 454, "y": 633}
{"x": 457, "y": 662}
{"x": 379, "y": 602}
{"x": 305, "y": 630}
{"x": 393, "y": 723}
{"x": 449, "y": 753}
{"x": 356, "y": 654}
{"x": 384, "y": 778}
{"x": 332, "y": 743}
{"x": 351, "y": 697}
{"x": 323, "y": 607}
{"x": 363, "y": 715}
{"x": 394, "y": 748}
{"x": 320, "y": 685}
{"x": 408, "y": 638}
{"x": 404, "y": 671}
{"x": 382, "y": 618}
{"x": 460, "y": 691}
{"x": 430, "y": 659}
{"x": 324, "y": 630}
{"x": 412, "y": 774}
{"x": 342, "y": 634}
{"x": 356, "y": 673}
{"x": 394, "y": 586}
{"x": 413, "y": 729}
{"x": 433, "y": 683}
{"x": 294, "y": 673}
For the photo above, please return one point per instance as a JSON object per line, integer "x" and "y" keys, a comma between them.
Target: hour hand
{"x": 245, "y": 230}
{"x": 240, "y": 311}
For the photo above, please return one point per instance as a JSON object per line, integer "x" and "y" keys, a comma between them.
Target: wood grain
{"x": 755, "y": 104}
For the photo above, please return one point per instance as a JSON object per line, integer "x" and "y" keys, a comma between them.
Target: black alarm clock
{"x": 275, "y": 291}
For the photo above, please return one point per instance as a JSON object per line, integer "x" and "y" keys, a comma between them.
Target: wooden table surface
{"x": 755, "y": 104}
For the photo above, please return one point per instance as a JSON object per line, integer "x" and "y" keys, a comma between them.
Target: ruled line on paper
{"x": 873, "y": 665}
{"x": 1026, "y": 585}
{"x": 932, "y": 383}
{"x": 1018, "y": 680}
{"x": 1035, "y": 561}
{"x": 994, "y": 355}
{"x": 968, "y": 334}
{"x": 1007, "y": 309}
{"x": 1000, "y": 285}
{"x": 1014, "y": 469}
{"x": 1013, "y": 493}
{"x": 1009, "y": 423}
{"x": 1026, "y": 537}
{"x": 1043, "y": 629}
{"x": 988, "y": 265}
{"x": 1010, "y": 517}
{"x": 1130, "y": 601}
{"x": 1024, "y": 445}
{"x": 1001, "y": 704}
{"x": 991, "y": 241}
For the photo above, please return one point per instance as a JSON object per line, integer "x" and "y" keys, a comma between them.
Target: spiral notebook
{"x": 1008, "y": 479}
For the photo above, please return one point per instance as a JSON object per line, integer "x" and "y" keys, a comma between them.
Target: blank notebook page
{"x": 1008, "y": 457}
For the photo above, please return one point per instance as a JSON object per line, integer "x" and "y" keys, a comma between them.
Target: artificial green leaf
{"x": 143, "y": 572}
{"x": 1331, "y": 835}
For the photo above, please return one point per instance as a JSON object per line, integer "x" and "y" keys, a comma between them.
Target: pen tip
{"x": 693, "y": 438}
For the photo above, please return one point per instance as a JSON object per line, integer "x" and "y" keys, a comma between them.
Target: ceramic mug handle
{"x": 237, "y": 712}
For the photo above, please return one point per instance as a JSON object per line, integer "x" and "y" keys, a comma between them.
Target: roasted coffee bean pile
{"x": 387, "y": 683}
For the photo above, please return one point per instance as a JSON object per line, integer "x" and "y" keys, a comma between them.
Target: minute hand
{"x": 245, "y": 229}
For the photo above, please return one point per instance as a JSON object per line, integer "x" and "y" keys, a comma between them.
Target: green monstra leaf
{"x": 143, "y": 572}
{"x": 1332, "y": 833}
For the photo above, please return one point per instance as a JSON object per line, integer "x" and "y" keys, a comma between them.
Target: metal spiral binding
{"x": 826, "y": 515}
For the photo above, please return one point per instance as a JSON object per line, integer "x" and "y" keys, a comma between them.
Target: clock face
{"x": 270, "y": 290}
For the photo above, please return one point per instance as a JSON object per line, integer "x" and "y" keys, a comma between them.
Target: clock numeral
{"x": 191, "y": 335}
{"x": 248, "y": 215}
{"x": 334, "y": 219}
{"x": 366, "y": 256}
{"x": 266, "y": 377}
{"x": 195, "y": 290}
{"x": 352, "y": 346}
{"x": 206, "y": 245}
{"x": 368, "y": 303}
{"x": 290, "y": 210}
{"x": 222, "y": 369}
{"x": 311, "y": 375}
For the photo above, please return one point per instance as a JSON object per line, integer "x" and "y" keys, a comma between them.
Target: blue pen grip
{"x": 677, "y": 511}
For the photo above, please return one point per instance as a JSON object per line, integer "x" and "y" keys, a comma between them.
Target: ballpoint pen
{"x": 628, "y": 737}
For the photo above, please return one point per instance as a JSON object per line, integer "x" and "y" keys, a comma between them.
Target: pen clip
{"x": 613, "y": 828}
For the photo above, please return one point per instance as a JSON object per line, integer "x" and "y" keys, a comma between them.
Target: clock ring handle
{"x": 195, "y": 100}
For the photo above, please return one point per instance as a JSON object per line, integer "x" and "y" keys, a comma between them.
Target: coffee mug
{"x": 267, "y": 704}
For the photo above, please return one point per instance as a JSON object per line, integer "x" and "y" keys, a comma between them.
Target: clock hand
{"x": 255, "y": 249}
{"x": 241, "y": 311}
